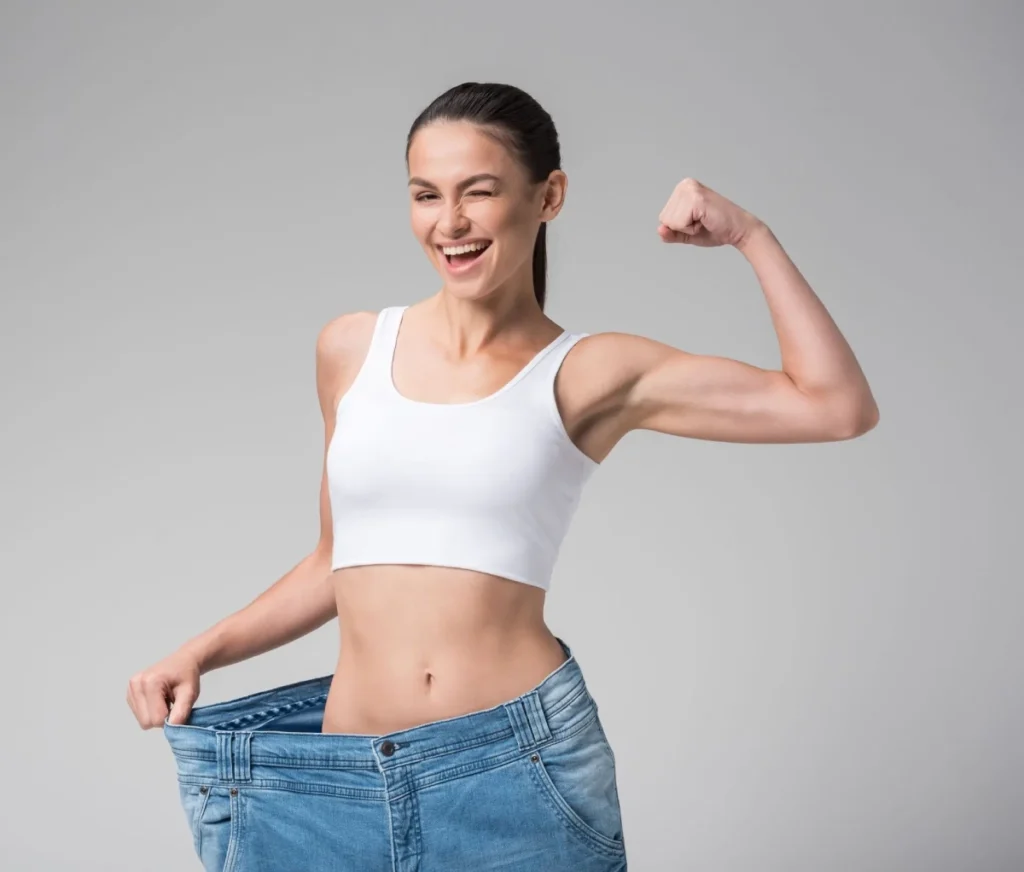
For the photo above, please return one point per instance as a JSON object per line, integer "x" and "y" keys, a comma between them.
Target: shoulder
{"x": 341, "y": 345}
{"x": 606, "y": 363}
{"x": 344, "y": 334}
{"x": 596, "y": 382}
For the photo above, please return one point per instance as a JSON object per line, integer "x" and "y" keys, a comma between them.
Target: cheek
{"x": 515, "y": 229}
{"x": 420, "y": 225}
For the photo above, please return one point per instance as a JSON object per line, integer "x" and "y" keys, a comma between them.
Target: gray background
{"x": 807, "y": 657}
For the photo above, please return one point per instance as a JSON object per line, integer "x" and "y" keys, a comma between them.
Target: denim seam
{"x": 194, "y": 755}
{"x": 424, "y": 782}
{"x": 233, "y": 857}
{"x": 197, "y": 817}
{"x": 477, "y": 741}
{"x": 416, "y": 783}
{"x": 313, "y": 763}
{"x": 267, "y": 714}
{"x": 589, "y": 836}
{"x": 452, "y": 748}
{"x": 495, "y": 761}
{"x": 577, "y": 691}
{"x": 309, "y": 683}
{"x": 292, "y": 787}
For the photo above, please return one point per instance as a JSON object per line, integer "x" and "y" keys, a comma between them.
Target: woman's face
{"x": 465, "y": 188}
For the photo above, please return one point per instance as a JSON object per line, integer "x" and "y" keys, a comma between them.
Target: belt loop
{"x": 224, "y": 767}
{"x": 243, "y": 756}
{"x": 529, "y": 722}
{"x": 234, "y": 756}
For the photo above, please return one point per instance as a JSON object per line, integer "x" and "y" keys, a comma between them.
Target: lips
{"x": 462, "y": 263}
{"x": 473, "y": 241}
{"x": 485, "y": 242}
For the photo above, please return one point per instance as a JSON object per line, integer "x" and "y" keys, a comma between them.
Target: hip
{"x": 526, "y": 784}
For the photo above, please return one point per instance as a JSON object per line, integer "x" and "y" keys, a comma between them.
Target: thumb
{"x": 667, "y": 234}
{"x": 184, "y": 696}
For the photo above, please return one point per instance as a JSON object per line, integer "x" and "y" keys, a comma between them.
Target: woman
{"x": 457, "y": 731}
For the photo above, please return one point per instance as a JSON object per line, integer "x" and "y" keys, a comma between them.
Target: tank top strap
{"x": 375, "y": 371}
{"x": 386, "y": 332}
{"x": 539, "y": 382}
{"x": 547, "y": 367}
{"x": 385, "y": 335}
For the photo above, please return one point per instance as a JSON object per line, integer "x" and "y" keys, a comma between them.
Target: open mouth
{"x": 463, "y": 259}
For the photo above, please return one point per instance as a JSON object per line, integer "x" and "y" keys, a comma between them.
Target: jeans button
{"x": 387, "y": 748}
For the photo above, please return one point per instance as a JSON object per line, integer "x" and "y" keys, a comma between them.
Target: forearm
{"x": 815, "y": 355}
{"x": 296, "y": 604}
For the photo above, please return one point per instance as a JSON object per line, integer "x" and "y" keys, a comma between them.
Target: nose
{"x": 452, "y": 222}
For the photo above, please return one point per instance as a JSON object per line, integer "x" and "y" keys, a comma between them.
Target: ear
{"x": 554, "y": 194}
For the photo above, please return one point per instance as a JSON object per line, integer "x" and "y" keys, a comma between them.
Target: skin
{"x": 421, "y": 643}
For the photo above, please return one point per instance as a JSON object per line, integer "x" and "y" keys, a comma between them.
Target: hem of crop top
{"x": 512, "y": 576}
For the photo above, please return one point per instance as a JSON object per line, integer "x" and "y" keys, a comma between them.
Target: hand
{"x": 174, "y": 680}
{"x": 699, "y": 216}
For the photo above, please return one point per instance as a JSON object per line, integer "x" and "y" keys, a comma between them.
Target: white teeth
{"x": 464, "y": 249}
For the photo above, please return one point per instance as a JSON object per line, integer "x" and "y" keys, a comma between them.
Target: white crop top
{"x": 489, "y": 485}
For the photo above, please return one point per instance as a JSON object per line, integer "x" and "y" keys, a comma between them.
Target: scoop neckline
{"x": 530, "y": 364}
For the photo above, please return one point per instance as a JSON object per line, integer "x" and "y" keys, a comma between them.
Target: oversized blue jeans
{"x": 526, "y": 786}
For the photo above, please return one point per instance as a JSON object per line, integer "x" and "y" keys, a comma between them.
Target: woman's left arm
{"x": 819, "y": 395}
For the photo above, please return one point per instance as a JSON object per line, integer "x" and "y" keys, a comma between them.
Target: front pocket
{"x": 577, "y": 777}
{"x": 193, "y": 801}
{"x": 214, "y": 813}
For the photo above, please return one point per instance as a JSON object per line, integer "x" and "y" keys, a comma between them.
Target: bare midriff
{"x": 426, "y": 643}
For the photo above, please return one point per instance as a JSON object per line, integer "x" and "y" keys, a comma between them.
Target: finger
{"x": 137, "y": 702}
{"x": 669, "y": 235}
{"x": 156, "y": 705}
{"x": 184, "y": 696}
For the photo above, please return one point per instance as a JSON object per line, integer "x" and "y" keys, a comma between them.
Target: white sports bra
{"x": 489, "y": 485}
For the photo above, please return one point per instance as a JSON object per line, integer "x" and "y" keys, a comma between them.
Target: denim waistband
{"x": 235, "y": 742}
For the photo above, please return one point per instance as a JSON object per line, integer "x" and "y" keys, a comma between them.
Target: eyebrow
{"x": 472, "y": 180}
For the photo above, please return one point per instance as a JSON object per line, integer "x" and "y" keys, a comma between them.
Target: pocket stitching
{"x": 232, "y": 850}
{"x": 566, "y": 813}
{"x": 233, "y": 855}
{"x": 197, "y": 817}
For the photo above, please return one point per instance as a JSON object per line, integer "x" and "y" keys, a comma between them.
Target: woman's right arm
{"x": 299, "y": 602}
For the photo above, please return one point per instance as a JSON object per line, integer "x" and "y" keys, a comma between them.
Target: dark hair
{"x": 517, "y": 121}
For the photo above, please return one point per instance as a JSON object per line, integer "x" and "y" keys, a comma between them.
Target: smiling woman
{"x": 457, "y": 731}
{"x": 517, "y": 189}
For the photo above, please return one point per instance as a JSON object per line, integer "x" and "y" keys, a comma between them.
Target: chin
{"x": 460, "y": 292}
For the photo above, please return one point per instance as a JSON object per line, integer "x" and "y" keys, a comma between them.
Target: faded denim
{"x": 525, "y": 786}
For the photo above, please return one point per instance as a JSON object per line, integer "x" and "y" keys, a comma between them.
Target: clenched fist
{"x": 699, "y": 216}
{"x": 172, "y": 685}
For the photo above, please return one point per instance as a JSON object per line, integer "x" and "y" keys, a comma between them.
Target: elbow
{"x": 855, "y": 422}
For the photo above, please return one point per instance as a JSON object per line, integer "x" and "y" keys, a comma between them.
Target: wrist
{"x": 203, "y": 650}
{"x": 756, "y": 235}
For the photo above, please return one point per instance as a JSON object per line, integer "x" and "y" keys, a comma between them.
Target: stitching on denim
{"x": 269, "y": 714}
{"x": 289, "y": 762}
{"x": 197, "y": 817}
{"x": 453, "y": 747}
{"x": 454, "y": 773}
{"x": 496, "y": 760}
{"x": 597, "y": 841}
{"x": 231, "y": 858}
{"x": 579, "y": 690}
{"x": 296, "y": 787}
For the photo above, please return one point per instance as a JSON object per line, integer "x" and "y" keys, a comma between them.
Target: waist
{"x": 422, "y": 643}
{"x": 266, "y": 735}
